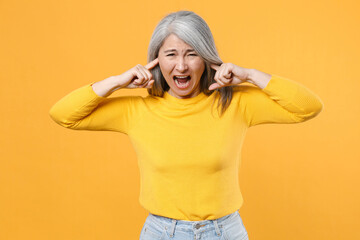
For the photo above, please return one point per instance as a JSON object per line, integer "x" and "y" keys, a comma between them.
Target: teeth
{"x": 181, "y": 77}
{"x": 181, "y": 84}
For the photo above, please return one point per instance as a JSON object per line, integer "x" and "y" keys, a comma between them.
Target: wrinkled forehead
{"x": 175, "y": 44}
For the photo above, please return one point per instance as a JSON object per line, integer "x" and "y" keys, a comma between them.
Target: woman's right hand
{"x": 136, "y": 77}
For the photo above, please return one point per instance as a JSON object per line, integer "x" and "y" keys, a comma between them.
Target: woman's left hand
{"x": 228, "y": 74}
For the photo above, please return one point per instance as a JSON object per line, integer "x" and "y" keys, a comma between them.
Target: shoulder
{"x": 123, "y": 101}
{"x": 137, "y": 101}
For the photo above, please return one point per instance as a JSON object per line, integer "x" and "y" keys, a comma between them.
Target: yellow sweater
{"x": 188, "y": 156}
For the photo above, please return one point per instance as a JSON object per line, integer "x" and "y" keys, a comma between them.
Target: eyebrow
{"x": 174, "y": 50}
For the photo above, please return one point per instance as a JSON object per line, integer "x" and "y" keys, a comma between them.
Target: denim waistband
{"x": 192, "y": 225}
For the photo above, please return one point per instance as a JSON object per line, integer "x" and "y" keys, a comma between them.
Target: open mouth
{"x": 182, "y": 82}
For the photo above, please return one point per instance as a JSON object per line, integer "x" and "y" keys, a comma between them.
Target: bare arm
{"x": 259, "y": 78}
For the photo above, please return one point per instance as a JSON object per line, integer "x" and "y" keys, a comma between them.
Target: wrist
{"x": 258, "y": 78}
{"x": 251, "y": 73}
{"x": 105, "y": 87}
{"x": 114, "y": 83}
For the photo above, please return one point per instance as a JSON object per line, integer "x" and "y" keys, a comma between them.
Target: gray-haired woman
{"x": 188, "y": 155}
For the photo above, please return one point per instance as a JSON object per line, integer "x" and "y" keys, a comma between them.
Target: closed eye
{"x": 191, "y": 54}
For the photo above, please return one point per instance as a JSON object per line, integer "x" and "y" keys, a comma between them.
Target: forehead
{"x": 174, "y": 42}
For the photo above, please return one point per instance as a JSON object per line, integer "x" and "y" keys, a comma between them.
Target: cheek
{"x": 199, "y": 67}
{"x": 164, "y": 67}
{"x": 165, "y": 71}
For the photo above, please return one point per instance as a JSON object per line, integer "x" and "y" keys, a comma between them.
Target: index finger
{"x": 152, "y": 64}
{"x": 214, "y": 66}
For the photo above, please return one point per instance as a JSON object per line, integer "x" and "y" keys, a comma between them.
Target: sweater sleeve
{"x": 281, "y": 101}
{"x": 83, "y": 109}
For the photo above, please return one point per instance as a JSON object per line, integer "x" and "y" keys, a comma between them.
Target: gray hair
{"x": 194, "y": 31}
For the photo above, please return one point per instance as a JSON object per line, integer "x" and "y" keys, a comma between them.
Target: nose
{"x": 181, "y": 65}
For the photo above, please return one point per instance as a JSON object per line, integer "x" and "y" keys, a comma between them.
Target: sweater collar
{"x": 184, "y": 101}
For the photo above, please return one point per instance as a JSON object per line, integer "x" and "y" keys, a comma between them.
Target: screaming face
{"x": 181, "y": 67}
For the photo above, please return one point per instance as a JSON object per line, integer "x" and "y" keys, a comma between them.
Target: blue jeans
{"x": 229, "y": 227}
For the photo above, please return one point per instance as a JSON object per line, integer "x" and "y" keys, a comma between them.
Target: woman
{"x": 188, "y": 154}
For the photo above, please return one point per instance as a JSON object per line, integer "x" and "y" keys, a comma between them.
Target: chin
{"x": 184, "y": 94}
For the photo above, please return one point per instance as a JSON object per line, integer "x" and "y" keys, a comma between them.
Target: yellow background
{"x": 299, "y": 181}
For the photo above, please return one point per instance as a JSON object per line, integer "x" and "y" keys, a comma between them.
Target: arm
{"x": 258, "y": 78}
{"x": 278, "y": 100}
{"x": 83, "y": 109}
{"x": 274, "y": 99}
{"x": 87, "y": 108}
